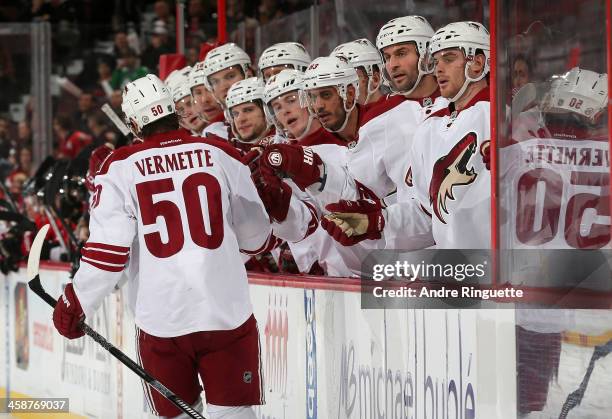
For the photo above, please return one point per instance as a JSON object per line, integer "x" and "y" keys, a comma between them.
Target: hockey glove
{"x": 299, "y": 163}
{"x": 68, "y": 314}
{"x": 273, "y": 192}
{"x": 353, "y": 221}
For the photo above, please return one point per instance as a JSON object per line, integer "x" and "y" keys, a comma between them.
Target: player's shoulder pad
{"x": 381, "y": 107}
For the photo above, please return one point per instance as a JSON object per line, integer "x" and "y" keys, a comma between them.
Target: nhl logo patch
{"x": 427, "y": 101}
{"x": 145, "y": 119}
{"x": 247, "y": 377}
{"x": 275, "y": 158}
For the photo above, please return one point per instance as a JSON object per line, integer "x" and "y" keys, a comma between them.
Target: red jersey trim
{"x": 321, "y": 136}
{"x": 379, "y": 108}
{"x": 481, "y": 96}
{"x": 168, "y": 139}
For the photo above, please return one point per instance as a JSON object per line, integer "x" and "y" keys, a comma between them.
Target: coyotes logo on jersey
{"x": 452, "y": 170}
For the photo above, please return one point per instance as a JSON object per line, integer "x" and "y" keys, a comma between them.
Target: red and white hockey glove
{"x": 301, "y": 164}
{"x": 353, "y": 221}
{"x": 68, "y": 314}
{"x": 274, "y": 193}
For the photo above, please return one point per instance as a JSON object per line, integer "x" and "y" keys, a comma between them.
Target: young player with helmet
{"x": 245, "y": 114}
{"x": 224, "y": 66}
{"x": 285, "y": 107}
{"x": 189, "y": 118}
{"x": 281, "y": 56}
{"x": 365, "y": 58}
{"x": 205, "y": 103}
{"x": 190, "y": 320}
{"x": 446, "y": 172}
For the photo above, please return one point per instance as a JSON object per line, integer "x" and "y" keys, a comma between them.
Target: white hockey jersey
{"x": 217, "y": 127}
{"x": 191, "y": 205}
{"x": 555, "y": 183}
{"x": 449, "y": 179}
{"x": 385, "y": 137}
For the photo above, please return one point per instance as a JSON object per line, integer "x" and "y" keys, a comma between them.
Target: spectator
{"x": 102, "y": 133}
{"x": 192, "y": 55}
{"x": 105, "y": 74}
{"x": 86, "y": 108}
{"x": 70, "y": 142}
{"x": 267, "y": 11}
{"x": 115, "y": 102}
{"x": 161, "y": 8}
{"x": 24, "y": 134}
{"x": 5, "y": 138}
{"x": 159, "y": 45}
{"x": 25, "y": 161}
{"x": 121, "y": 44}
{"x": 200, "y": 23}
{"x": 128, "y": 69}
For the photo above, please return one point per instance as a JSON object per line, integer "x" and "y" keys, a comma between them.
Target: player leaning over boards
{"x": 385, "y": 132}
{"x": 190, "y": 319}
{"x": 445, "y": 169}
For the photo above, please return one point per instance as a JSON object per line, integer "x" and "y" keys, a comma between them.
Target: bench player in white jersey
{"x": 285, "y": 107}
{"x": 205, "y": 103}
{"x": 333, "y": 86}
{"x": 385, "y": 133}
{"x": 446, "y": 172}
{"x": 222, "y": 67}
{"x": 366, "y": 60}
{"x": 189, "y": 117}
{"x": 282, "y": 56}
{"x": 191, "y": 320}
{"x": 293, "y": 218}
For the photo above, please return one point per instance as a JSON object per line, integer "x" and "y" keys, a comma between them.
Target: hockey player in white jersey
{"x": 252, "y": 132}
{"x": 205, "y": 103}
{"x": 446, "y": 171}
{"x": 224, "y": 66}
{"x": 189, "y": 118}
{"x": 282, "y": 56}
{"x": 245, "y": 114}
{"x": 385, "y": 131}
{"x": 190, "y": 319}
{"x": 285, "y": 107}
{"x": 366, "y": 60}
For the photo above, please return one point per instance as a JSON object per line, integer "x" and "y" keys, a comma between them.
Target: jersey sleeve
{"x": 250, "y": 220}
{"x": 112, "y": 227}
{"x": 302, "y": 218}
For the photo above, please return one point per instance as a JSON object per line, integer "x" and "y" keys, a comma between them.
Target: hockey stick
{"x": 36, "y": 287}
{"x": 575, "y": 397}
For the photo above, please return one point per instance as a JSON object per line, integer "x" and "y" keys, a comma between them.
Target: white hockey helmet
{"x": 197, "y": 76}
{"x": 404, "y": 29}
{"x": 225, "y": 56}
{"x": 285, "y": 53}
{"x": 243, "y": 91}
{"x": 178, "y": 83}
{"x": 469, "y": 37}
{"x": 284, "y": 82}
{"x": 332, "y": 71}
{"x": 146, "y": 100}
{"x": 361, "y": 53}
{"x": 580, "y": 91}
